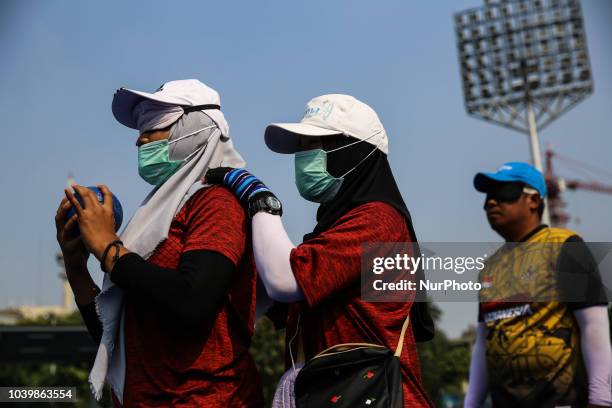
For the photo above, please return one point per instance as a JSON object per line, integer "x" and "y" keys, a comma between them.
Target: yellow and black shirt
{"x": 533, "y": 343}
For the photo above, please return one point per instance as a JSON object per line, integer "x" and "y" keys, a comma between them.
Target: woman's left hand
{"x": 96, "y": 221}
{"x": 245, "y": 186}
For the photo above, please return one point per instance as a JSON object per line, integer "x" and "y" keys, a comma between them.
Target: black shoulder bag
{"x": 352, "y": 375}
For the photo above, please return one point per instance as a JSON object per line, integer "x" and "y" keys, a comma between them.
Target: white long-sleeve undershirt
{"x": 596, "y": 352}
{"x": 272, "y": 248}
{"x": 479, "y": 380}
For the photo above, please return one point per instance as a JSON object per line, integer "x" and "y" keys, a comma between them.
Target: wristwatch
{"x": 267, "y": 203}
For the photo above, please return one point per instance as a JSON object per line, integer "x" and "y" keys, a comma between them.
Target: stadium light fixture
{"x": 523, "y": 63}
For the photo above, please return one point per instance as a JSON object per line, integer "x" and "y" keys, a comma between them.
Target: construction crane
{"x": 557, "y": 185}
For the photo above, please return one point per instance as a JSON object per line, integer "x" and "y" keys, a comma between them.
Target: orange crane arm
{"x": 588, "y": 185}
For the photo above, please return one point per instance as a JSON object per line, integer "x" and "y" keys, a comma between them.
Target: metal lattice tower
{"x": 523, "y": 64}
{"x": 517, "y": 54}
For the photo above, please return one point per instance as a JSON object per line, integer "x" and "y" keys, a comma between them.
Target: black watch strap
{"x": 265, "y": 202}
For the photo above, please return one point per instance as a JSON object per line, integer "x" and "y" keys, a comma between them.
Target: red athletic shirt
{"x": 328, "y": 270}
{"x": 210, "y": 366}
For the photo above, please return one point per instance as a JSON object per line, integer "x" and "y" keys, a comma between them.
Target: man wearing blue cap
{"x": 540, "y": 341}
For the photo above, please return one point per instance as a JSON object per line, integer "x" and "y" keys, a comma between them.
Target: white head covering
{"x": 185, "y": 94}
{"x": 208, "y": 147}
{"x": 153, "y": 115}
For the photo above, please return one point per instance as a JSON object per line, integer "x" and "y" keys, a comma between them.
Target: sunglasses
{"x": 508, "y": 192}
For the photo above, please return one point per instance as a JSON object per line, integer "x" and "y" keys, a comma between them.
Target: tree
{"x": 50, "y": 374}
{"x": 444, "y": 363}
{"x": 268, "y": 351}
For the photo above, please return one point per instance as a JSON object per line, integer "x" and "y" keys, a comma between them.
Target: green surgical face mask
{"x": 312, "y": 179}
{"x": 154, "y": 164}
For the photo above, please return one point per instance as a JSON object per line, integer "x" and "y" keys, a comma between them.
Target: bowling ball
{"x": 117, "y": 209}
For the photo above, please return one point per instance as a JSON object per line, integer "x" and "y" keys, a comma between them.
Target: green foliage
{"x": 49, "y": 375}
{"x": 73, "y": 319}
{"x": 268, "y": 351}
{"x": 52, "y": 374}
{"x": 444, "y": 363}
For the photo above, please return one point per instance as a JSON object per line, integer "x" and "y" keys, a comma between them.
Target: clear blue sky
{"x": 62, "y": 61}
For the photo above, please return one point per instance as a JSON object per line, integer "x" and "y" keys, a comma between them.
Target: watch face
{"x": 273, "y": 203}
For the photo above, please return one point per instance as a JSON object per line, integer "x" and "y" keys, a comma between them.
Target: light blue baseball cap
{"x": 512, "y": 172}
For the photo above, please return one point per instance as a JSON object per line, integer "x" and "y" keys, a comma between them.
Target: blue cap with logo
{"x": 512, "y": 172}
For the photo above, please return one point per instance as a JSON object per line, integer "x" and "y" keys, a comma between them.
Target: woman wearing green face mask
{"x": 340, "y": 149}
{"x": 179, "y": 287}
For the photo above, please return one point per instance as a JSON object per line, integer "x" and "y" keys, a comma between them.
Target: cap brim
{"x": 125, "y": 100}
{"x": 285, "y": 137}
{"x": 484, "y": 181}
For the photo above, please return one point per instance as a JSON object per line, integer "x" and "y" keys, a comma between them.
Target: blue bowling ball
{"x": 117, "y": 209}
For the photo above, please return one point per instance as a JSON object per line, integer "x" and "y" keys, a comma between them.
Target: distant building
{"x": 9, "y": 316}
{"x": 12, "y": 315}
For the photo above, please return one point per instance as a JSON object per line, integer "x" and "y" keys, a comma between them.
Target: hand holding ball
{"x": 117, "y": 209}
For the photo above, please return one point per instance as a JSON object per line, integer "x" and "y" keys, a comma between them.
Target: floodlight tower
{"x": 523, "y": 63}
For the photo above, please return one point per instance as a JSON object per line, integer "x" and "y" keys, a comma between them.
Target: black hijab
{"x": 372, "y": 180}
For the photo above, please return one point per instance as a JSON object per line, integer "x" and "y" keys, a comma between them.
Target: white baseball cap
{"x": 189, "y": 94}
{"x": 329, "y": 115}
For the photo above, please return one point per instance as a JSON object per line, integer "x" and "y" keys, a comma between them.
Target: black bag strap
{"x": 195, "y": 108}
{"x": 345, "y": 346}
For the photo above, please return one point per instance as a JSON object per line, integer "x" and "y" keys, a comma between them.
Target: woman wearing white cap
{"x": 340, "y": 149}
{"x": 176, "y": 310}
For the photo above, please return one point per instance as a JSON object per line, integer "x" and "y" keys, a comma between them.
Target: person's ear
{"x": 533, "y": 201}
